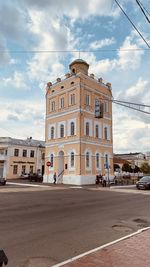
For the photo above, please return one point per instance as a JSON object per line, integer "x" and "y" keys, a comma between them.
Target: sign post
{"x": 48, "y": 163}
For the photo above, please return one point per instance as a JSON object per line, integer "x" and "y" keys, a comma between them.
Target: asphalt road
{"x": 40, "y": 228}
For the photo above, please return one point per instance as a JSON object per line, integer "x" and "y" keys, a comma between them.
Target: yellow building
{"x": 19, "y": 156}
{"x": 79, "y": 141}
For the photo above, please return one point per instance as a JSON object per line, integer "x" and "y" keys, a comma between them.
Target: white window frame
{"x": 49, "y": 131}
{"x": 69, "y": 127}
{"x": 52, "y": 105}
{"x": 64, "y": 123}
{"x": 72, "y": 168}
{"x": 87, "y": 100}
{"x": 88, "y": 168}
{"x": 108, "y": 131}
{"x": 72, "y": 99}
{"x": 90, "y": 126}
{"x": 62, "y": 102}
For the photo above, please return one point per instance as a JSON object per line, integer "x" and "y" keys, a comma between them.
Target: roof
{"x": 27, "y": 142}
{"x": 79, "y": 61}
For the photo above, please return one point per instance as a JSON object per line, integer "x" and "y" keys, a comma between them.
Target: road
{"x": 40, "y": 227}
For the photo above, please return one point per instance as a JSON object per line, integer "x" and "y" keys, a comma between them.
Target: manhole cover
{"x": 119, "y": 227}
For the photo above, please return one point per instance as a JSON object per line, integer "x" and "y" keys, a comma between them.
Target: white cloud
{"x": 16, "y": 81}
{"x": 102, "y": 43}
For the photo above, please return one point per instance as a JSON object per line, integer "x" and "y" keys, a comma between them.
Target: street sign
{"x": 48, "y": 163}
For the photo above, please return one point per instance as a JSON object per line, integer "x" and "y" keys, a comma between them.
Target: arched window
{"x": 87, "y": 128}
{"x": 97, "y": 131}
{"x": 72, "y": 128}
{"x": 106, "y": 133}
{"x": 61, "y": 130}
{"x": 52, "y": 160}
{"x": 97, "y": 161}
{"x": 87, "y": 159}
{"x": 72, "y": 160}
{"x": 52, "y": 132}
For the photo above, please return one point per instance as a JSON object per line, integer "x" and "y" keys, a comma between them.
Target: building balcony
{"x": 2, "y": 157}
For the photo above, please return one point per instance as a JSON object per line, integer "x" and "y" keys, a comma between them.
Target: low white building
{"x": 19, "y": 156}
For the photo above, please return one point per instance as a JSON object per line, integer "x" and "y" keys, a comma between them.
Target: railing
{"x": 59, "y": 175}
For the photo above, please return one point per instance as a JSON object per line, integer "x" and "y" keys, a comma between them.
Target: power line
{"x": 132, "y": 24}
{"x": 138, "y": 2}
{"x": 73, "y": 51}
{"x": 145, "y": 8}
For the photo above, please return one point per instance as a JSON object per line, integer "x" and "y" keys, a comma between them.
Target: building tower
{"x": 79, "y": 142}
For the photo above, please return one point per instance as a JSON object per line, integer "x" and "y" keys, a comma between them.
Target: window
{"x": 106, "y": 106}
{"x": 15, "y": 169}
{"x": 52, "y": 132}
{"x": 72, "y": 130}
{"x": 97, "y": 131}
{"x": 53, "y": 106}
{"x": 24, "y": 154}
{"x": 97, "y": 161}
{"x": 43, "y": 155}
{"x": 87, "y": 100}
{"x": 72, "y": 160}
{"x": 106, "y": 133}
{"x": 23, "y": 169}
{"x": 16, "y": 152}
{"x": 61, "y": 130}
{"x": 62, "y": 102}
{"x": 52, "y": 160}
{"x": 72, "y": 99}
{"x": 32, "y": 153}
{"x": 31, "y": 169}
{"x": 87, "y": 159}
{"x": 87, "y": 129}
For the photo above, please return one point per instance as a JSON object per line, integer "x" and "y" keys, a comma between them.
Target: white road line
{"x": 32, "y": 185}
{"x": 99, "y": 248}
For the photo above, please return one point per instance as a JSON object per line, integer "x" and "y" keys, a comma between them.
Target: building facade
{"x": 79, "y": 141}
{"x": 21, "y": 156}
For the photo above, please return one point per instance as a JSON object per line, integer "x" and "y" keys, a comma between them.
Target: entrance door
{"x": 60, "y": 166}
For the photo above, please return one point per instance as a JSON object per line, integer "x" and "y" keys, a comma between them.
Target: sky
{"x": 29, "y": 28}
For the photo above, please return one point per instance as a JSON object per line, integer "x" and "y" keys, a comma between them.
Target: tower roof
{"x": 78, "y": 61}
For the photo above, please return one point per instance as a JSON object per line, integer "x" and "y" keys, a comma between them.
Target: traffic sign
{"x": 48, "y": 163}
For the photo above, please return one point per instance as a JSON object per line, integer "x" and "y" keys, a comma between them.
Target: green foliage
{"x": 145, "y": 168}
{"x": 126, "y": 167}
{"x": 116, "y": 166}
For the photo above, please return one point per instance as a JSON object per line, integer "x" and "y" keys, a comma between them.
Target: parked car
{"x": 36, "y": 177}
{"x": 143, "y": 183}
{"x": 2, "y": 181}
{"x": 24, "y": 176}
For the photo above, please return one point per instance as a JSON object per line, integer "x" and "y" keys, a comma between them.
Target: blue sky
{"x": 54, "y": 25}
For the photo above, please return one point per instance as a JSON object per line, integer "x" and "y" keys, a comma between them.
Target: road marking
{"x": 100, "y": 247}
{"x": 31, "y": 185}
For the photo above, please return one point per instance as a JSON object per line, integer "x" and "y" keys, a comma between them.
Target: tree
{"x": 145, "y": 168}
{"x": 116, "y": 166}
{"x": 126, "y": 167}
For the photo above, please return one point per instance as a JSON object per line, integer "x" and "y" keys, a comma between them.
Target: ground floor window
{"x": 72, "y": 159}
{"x": 15, "y": 169}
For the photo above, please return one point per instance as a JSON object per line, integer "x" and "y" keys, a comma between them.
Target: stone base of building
{"x": 71, "y": 179}
{"x": 74, "y": 179}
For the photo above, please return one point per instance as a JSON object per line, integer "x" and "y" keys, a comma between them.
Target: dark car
{"x": 2, "y": 181}
{"x": 35, "y": 177}
{"x": 143, "y": 183}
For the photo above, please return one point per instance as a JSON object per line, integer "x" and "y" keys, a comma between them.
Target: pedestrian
{"x": 104, "y": 181}
{"x": 54, "y": 177}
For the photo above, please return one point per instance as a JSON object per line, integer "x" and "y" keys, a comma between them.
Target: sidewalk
{"x": 132, "y": 250}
